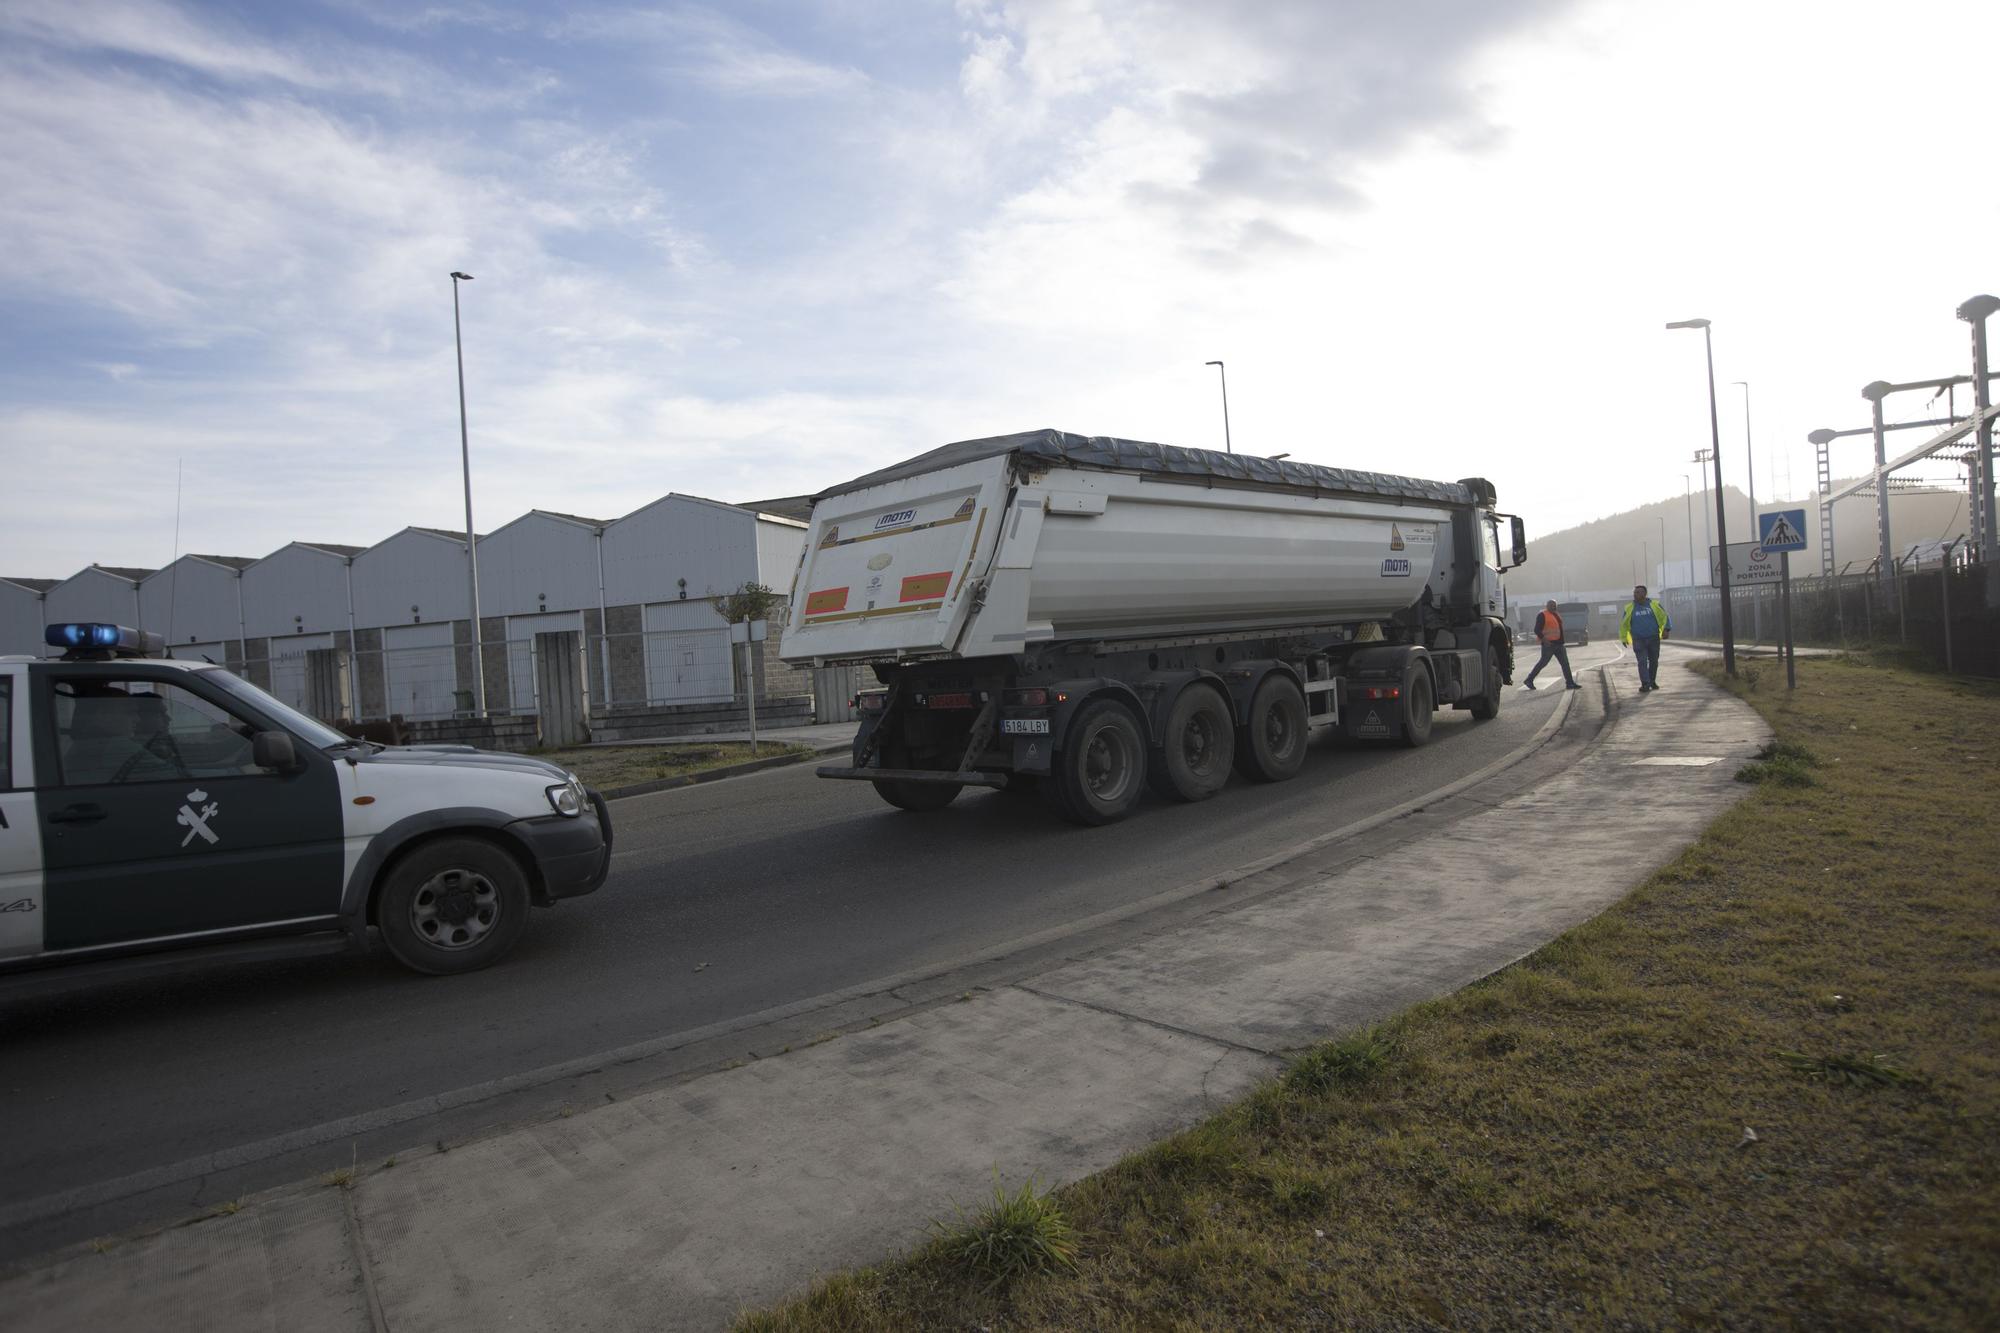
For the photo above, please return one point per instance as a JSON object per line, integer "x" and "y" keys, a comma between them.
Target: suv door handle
{"x": 78, "y": 814}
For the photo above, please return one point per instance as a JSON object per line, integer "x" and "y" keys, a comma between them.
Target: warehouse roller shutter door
{"x": 687, "y": 654}
{"x": 419, "y": 671}
{"x": 521, "y": 632}
{"x": 288, "y": 666}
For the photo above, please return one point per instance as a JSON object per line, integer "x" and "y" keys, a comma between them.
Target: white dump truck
{"x": 1090, "y": 615}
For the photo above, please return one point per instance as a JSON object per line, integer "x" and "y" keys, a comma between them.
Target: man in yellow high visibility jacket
{"x": 1644, "y": 625}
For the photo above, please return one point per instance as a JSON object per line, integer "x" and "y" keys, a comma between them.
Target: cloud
{"x": 150, "y": 30}
{"x": 1175, "y": 136}
{"x": 716, "y": 51}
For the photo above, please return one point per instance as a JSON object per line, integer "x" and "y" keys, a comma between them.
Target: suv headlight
{"x": 567, "y": 798}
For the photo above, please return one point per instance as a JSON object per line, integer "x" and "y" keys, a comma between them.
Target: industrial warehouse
{"x": 372, "y": 633}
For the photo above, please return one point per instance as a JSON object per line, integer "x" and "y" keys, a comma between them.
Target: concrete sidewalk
{"x": 683, "y": 1205}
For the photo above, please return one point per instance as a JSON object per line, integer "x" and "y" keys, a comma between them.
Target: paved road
{"x": 144, "y": 1100}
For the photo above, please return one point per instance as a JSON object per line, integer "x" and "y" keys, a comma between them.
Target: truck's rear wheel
{"x": 1418, "y": 704}
{"x": 918, "y": 797}
{"x": 1272, "y": 745}
{"x": 1102, "y": 766}
{"x": 1197, "y": 747}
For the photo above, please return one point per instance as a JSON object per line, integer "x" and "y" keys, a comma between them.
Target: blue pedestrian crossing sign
{"x": 1782, "y": 530}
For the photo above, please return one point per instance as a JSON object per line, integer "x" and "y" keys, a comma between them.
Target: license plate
{"x": 1024, "y": 726}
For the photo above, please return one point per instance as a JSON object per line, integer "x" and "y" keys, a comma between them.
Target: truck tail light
{"x": 1036, "y": 698}
{"x": 1381, "y": 692}
{"x": 872, "y": 702}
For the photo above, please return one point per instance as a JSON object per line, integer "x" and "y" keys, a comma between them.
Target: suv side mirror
{"x": 274, "y": 750}
{"x": 1520, "y": 540}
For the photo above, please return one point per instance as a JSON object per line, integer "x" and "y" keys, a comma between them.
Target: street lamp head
{"x": 1820, "y": 436}
{"x": 1977, "y": 308}
{"x": 1876, "y": 390}
{"x": 1744, "y": 383}
{"x": 463, "y": 277}
{"x": 1211, "y": 363}
{"x": 1689, "y": 324}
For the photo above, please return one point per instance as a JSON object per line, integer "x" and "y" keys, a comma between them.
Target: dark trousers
{"x": 1560, "y": 653}
{"x": 1648, "y": 653}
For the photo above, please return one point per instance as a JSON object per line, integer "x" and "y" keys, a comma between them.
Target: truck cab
{"x": 154, "y": 812}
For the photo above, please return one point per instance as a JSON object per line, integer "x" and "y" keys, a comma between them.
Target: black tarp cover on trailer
{"x": 1057, "y": 448}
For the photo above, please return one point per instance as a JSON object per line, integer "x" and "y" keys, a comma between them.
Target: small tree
{"x": 752, "y": 601}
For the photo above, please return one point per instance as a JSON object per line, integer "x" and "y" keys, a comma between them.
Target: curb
{"x": 715, "y": 774}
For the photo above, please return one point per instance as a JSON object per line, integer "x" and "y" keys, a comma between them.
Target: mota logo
{"x": 1393, "y": 568}
{"x": 895, "y": 520}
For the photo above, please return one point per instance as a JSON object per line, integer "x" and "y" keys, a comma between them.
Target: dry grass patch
{"x": 1760, "y": 1091}
{"x": 609, "y": 767}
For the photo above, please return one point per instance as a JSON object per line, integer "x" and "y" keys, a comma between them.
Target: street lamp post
{"x": 471, "y": 547}
{"x": 1721, "y": 518}
{"x": 1749, "y": 462}
{"x": 1701, "y": 463}
{"x": 1663, "y": 549}
{"x": 1227, "y": 447}
{"x": 1687, "y": 491}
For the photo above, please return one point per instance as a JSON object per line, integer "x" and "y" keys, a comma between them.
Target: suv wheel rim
{"x": 455, "y": 908}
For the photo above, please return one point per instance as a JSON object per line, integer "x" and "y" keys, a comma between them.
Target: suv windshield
{"x": 308, "y": 729}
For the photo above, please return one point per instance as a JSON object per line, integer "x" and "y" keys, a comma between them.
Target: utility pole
{"x": 1975, "y": 312}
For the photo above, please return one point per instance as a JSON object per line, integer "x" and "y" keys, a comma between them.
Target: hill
{"x": 1624, "y": 548}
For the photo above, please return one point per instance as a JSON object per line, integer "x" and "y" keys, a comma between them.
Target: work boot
{"x": 1527, "y": 684}
{"x": 1573, "y": 685}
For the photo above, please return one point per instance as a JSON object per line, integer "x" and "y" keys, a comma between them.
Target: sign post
{"x": 747, "y": 633}
{"x": 1784, "y": 531}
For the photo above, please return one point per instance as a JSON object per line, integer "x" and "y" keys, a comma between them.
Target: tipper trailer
{"x": 1091, "y": 615}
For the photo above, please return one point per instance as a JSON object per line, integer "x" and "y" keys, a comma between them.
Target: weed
{"x": 1874, "y": 1071}
{"x": 1017, "y": 1234}
{"x": 228, "y": 1208}
{"x": 341, "y": 1178}
{"x": 1346, "y": 1063}
{"x": 1782, "y": 762}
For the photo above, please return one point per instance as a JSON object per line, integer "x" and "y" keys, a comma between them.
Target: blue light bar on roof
{"x": 96, "y": 639}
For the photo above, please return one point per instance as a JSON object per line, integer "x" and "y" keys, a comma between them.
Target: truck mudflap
{"x": 966, "y": 779}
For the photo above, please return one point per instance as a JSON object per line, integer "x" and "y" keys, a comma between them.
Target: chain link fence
{"x": 433, "y": 681}
{"x": 1949, "y": 612}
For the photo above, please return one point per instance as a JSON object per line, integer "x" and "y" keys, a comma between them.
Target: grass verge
{"x": 610, "y": 766}
{"x": 1762, "y": 1090}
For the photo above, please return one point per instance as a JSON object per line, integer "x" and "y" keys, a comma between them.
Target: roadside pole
{"x": 749, "y": 633}
{"x": 1785, "y": 615}
{"x": 1944, "y": 595}
{"x": 1783, "y": 531}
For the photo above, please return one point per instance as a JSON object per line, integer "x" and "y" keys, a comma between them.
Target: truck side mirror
{"x": 1520, "y": 540}
{"x": 274, "y": 750}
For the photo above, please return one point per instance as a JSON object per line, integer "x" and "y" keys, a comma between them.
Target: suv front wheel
{"x": 453, "y": 905}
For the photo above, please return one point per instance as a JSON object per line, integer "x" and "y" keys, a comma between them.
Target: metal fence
{"x": 1950, "y": 612}
{"x": 434, "y": 681}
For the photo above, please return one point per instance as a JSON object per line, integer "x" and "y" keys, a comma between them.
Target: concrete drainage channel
{"x": 467, "y": 1115}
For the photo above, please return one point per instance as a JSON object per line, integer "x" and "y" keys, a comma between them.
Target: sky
{"x": 753, "y": 249}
